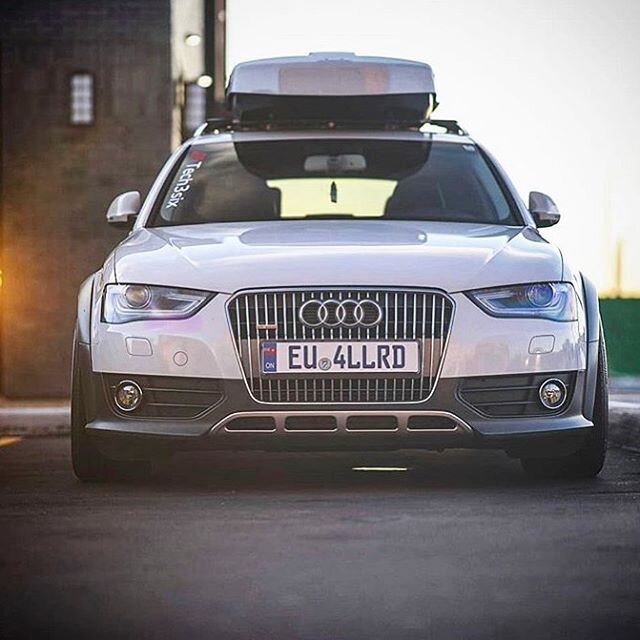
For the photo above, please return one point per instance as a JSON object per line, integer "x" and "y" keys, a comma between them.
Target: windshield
{"x": 333, "y": 178}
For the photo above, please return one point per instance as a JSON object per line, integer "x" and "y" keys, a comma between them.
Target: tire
{"x": 587, "y": 461}
{"x": 89, "y": 465}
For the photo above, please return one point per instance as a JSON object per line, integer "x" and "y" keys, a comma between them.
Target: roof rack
{"x": 227, "y": 124}
{"x": 329, "y": 90}
{"x": 214, "y": 124}
{"x": 451, "y": 126}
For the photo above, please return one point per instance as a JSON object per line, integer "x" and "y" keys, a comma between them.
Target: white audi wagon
{"x": 331, "y": 269}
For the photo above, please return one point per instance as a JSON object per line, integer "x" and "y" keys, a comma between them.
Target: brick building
{"x": 91, "y": 105}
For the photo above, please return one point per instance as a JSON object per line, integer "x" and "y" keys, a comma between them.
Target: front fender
{"x": 85, "y": 298}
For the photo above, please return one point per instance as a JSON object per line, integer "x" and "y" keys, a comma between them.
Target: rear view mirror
{"x": 124, "y": 209}
{"x": 543, "y": 209}
{"x": 335, "y": 164}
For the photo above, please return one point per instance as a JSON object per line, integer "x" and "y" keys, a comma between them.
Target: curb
{"x": 35, "y": 421}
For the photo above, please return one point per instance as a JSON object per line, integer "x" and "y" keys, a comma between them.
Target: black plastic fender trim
{"x": 592, "y": 309}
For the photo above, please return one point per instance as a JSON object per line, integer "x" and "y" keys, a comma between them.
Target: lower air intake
{"x": 512, "y": 396}
{"x": 168, "y": 397}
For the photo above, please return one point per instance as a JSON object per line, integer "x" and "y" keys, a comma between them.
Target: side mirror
{"x": 124, "y": 209}
{"x": 543, "y": 209}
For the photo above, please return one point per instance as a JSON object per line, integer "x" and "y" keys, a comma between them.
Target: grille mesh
{"x": 424, "y": 316}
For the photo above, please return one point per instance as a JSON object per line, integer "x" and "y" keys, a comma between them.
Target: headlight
{"x": 550, "y": 300}
{"x": 129, "y": 302}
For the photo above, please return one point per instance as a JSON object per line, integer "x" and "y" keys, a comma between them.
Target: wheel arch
{"x": 594, "y": 335}
{"x": 82, "y": 380}
{"x": 85, "y": 298}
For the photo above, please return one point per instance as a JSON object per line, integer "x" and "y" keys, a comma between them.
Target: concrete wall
{"x": 57, "y": 179}
{"x": 187, "y": 17}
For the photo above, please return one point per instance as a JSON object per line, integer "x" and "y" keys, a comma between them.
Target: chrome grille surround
{"x": 424, "y": 315}
{"x": 275, "y": 422}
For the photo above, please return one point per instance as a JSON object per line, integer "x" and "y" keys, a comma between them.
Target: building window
{"x": 82, "y": 111}
{"x": 194, "y": 108}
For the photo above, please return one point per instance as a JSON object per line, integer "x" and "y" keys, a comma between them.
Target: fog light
{"x": 553, "y": 393}
{"x": 128, "y": 396}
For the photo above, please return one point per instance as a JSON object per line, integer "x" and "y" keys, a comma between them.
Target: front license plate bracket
{"x": 379, "y": 358}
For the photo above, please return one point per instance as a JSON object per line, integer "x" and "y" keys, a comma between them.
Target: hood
{"x": 226, "y": 257}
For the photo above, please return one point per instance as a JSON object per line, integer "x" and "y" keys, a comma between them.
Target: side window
{"x": 81, "y": 103}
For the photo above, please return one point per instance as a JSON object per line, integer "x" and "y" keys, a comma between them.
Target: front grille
{"x": 512, "y": 396}
{"x": 168, "y": 396}
{"x": 424, "y": 316}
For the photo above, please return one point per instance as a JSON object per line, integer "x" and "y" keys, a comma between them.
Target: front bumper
{"x": 237, "y": 421}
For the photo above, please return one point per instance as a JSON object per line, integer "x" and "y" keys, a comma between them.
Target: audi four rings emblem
{"x": 340, "y": 313}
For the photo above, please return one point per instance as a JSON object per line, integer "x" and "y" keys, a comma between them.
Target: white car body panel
{"x": 205, "y": 338}
{"x": 226, "y": 257}
{"x": 480, "y": 344}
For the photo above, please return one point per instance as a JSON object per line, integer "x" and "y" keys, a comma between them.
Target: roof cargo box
{"x": 338, "y": 88}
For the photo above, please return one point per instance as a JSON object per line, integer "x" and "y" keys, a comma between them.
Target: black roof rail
{"x": 213, "y": 124}
{"x": 451, "y": 126}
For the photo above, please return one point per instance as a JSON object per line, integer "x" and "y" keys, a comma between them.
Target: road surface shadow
{"x": 342, "y": 472}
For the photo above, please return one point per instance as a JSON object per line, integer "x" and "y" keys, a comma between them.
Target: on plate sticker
{"x": 269, "y": 357}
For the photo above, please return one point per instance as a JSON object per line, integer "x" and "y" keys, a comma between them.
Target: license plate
{"x": 363, "y": 358}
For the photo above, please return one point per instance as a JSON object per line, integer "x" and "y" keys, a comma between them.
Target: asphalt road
{"x": 234, "y": 546}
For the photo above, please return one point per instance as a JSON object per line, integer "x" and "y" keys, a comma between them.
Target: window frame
{"x": 70, "y": 96}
